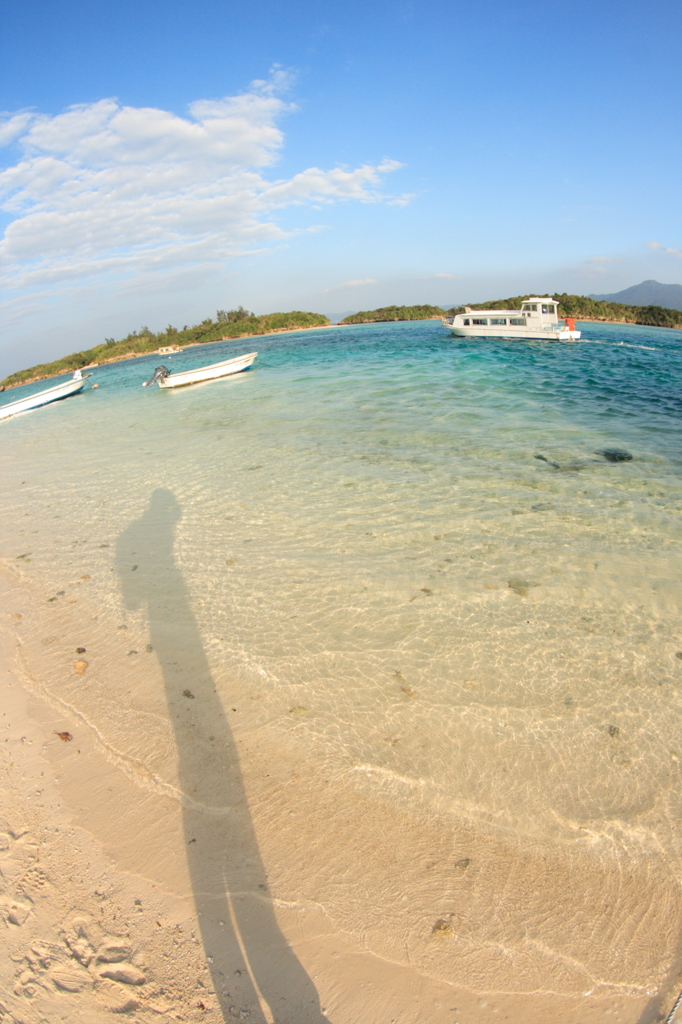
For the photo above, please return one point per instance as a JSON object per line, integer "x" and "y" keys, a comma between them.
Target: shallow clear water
{"x": 378, "y": 559}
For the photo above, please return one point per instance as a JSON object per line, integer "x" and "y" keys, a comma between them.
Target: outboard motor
{"x": 160, "y": 373}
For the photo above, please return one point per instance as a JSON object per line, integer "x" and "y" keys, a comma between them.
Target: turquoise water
{"x": 383, "y": 569}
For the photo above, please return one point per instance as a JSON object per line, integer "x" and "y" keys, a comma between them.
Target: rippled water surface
{"x": 407, "y": 551}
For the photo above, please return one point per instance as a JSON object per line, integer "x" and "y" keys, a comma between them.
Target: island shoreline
{"x": 290, "y": 330}
{"x": 181, "y": 348}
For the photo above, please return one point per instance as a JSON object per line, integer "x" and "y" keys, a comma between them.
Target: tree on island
{"x": 233, "y": 316}
{"x": 239, "y": 323}
{"x": 386, "y": 314}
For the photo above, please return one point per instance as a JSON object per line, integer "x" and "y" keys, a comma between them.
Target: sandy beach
{"x": 101, "y": 901}
{"x": 340, "y": 662}
{"x": 307, "y": 714}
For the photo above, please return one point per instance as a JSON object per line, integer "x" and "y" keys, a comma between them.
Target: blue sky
{"x": 160, "y": 161}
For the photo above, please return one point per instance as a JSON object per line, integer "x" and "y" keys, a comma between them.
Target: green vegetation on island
{"x": 583, "y": 308}
{"x": 388, "y": 313}
{"x": 578, "y": 306}
{"x": 234, "y": 323}
{"x": 240, "y": 323}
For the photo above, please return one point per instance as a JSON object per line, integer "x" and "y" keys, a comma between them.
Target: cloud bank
{"x": 104, "y": 192}
{"x": 350, "y": 284}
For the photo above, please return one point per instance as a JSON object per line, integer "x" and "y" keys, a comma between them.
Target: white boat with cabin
{"x": 58, "y": 391}
{"x": 166, "y": 379}
{"x": 537, "y": 319}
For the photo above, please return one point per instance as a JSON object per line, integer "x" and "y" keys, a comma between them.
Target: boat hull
{"x": 510, "y": 332}
{"x": 214, "y": 372}
{"x": 53, "y": 394}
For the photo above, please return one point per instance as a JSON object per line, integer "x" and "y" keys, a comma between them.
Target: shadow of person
{"x": 248, "y": 956}
{"x": 654, "y": 1009}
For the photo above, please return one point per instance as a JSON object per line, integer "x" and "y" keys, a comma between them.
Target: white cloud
{"x": 12, "y": 127}
{"x": 666, "y": 248}
{"x": 350, "y": 284}
{"x": 598, "y": 265}
{"x": 104, "y": 191}
{"x": 331, "y": 186}
{"x": 402, "y": 200}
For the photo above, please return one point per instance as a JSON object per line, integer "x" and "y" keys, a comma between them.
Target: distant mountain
{"x": 648, "y": 293}
{"x": 335, "y": 317}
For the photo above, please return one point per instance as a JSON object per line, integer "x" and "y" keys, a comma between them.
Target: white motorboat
{"x": 537, "y": 319}
{"x": 53, "y": 394}
{"x": 166, "y": 379}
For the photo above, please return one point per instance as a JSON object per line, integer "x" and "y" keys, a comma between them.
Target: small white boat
{"x": 537, "y": 319}
{"x": 166, "y": 379}
{"x": 53, "y": 394}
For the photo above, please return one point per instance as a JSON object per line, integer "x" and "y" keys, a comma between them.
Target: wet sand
{"x": 108, "y": 910}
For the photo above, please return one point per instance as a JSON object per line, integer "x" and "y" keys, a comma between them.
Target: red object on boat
{"x": 570, "y": 323}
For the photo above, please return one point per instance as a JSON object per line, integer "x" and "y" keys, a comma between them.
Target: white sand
{"x": 100, "y": 918}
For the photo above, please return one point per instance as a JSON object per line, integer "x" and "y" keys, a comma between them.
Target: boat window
{"x": 549, "y": 309}
{"x": 518, "y": 321}
{"x": 534, "y": 308}
{"x": 482, "y": 323}
{"x": 467, "y": 323}
{"x": 498, "y": 320}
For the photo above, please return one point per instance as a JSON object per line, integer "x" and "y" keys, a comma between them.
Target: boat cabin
{"x": 534, "y": 313}
{"x": 538, "y": 318}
